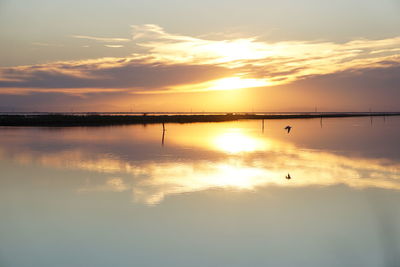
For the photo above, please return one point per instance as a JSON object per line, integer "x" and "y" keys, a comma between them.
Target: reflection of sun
{"x": 235, "y": 142}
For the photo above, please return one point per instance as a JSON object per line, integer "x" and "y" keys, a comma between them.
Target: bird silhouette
{"x": 288, "y": 176}
{"x": 288, "y": 128}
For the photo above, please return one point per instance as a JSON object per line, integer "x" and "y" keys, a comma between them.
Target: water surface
{"x": 203, "y": 194}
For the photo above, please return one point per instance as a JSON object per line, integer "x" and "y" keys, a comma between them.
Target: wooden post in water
{"x": 163, "y": 134}
{"x": 262, "y": 127}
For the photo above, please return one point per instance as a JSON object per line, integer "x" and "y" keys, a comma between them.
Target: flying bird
{"x": 288, "y": 176}
{"x": 288, "y": 128}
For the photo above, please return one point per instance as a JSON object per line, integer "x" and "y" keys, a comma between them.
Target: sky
{"x": 200, "y": 56}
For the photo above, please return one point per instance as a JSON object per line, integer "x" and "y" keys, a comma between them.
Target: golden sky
{"x": 157, "y": 68}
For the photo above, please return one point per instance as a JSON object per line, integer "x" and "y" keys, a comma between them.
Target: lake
{"x": 242, "y": 193}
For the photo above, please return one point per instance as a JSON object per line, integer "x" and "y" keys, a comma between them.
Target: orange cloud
{"x": 169, "y": 62}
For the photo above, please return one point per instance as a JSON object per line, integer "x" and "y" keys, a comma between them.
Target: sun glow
{"x": 234, "y": 50}
{"x": 236, "y": 142}
{"x": 230, "y": 83}
{"x": 237, "y": 83}
{"x": 241, "y": 159}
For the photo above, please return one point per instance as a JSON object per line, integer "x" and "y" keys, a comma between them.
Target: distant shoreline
{"x": 65, "y": 120}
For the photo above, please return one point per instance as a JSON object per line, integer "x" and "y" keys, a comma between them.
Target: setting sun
{"x": 237, "y": 83}
{"x": 230, "y": 83}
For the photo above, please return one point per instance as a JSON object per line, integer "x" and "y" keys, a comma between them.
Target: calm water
{"x": 206, "y": 194}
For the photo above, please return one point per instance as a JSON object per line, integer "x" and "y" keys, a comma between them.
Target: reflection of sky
{"x": 215, "y": 195}
{"x": 234, "y": 156}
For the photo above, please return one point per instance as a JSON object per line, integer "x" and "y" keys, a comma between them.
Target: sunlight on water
{"x": 235, "y": 141}
{"x": 248, "y": 160}
{"x": 130, "y": 172}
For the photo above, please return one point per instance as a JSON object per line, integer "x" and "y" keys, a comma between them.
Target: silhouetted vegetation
{"x": 61, "y": 120}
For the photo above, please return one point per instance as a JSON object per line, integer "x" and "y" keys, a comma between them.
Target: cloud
{"x": 172, "y": 48}
{"x": 46, "y": 44}
{"x": 348, "y": 90}
{"x": 102, "y": 39}
{"x": 113, "y": 184}
{"x": 114, "y": 46}
{"x": 168, "y": 62}
{"x": 108, "y": 73}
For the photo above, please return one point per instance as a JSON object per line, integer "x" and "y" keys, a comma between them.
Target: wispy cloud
{"x": 280, "y": 62}
{"x": 46, "y": 44}
{"x": 113, "y": 184}
{"x": 169, "y": 62}
{"x": 102, "y": 39}
{"x": 114, "y": 46}
{"x": 108, "y": 73}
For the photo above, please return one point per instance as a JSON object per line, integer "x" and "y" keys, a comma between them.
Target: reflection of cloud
{"x": 74, "y": 159}
{"x": 171, "y": 62}
{"x": 151, "y": 181}
{"x": 306, "y": 168}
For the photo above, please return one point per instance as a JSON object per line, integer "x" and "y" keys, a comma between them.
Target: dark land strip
{"x": 63, "y": 120}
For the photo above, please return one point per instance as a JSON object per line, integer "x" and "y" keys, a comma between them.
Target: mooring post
{"x": 163, "y": 134}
